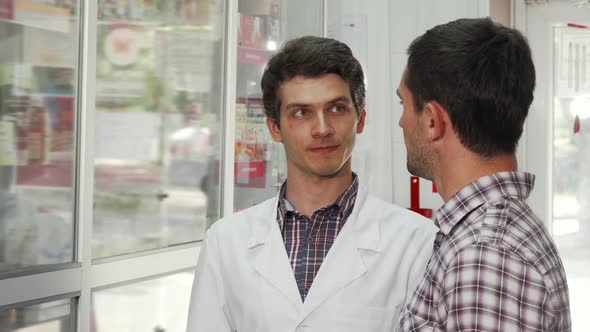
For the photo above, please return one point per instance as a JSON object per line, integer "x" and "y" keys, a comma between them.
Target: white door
{"x": 557, "y": 137}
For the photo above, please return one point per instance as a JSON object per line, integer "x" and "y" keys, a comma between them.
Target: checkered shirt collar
{"x": 342, "y": 201}
{"x": 481, "y": 191}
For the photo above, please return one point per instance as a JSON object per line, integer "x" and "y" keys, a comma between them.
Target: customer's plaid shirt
{"x": 494, "y": 265}
{"x": 308, "y": 240}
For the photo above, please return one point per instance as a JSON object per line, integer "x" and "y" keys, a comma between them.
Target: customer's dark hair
{"x": 482, "y": 73}
{"x": 311, "y": 57}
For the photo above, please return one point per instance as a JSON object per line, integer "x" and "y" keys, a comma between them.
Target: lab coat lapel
{"x": 346, "y": 260}
{"x": 269, "y": 256}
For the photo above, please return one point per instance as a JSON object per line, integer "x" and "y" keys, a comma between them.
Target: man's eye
{"x": 401, "y": 102}
{"x": 338, "y": 108}
{"x": 299, "y": 113}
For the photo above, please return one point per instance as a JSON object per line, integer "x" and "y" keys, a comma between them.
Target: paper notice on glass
{"x": 127, "y": 135}
{"x": 7, "y": 144}
{"x": 573, "y": 55}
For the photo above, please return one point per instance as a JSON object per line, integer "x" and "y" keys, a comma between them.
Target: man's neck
{"x": 307, "y": 194}
{"x": 457, "y": 172}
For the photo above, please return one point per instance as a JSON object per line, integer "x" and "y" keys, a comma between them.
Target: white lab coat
{"x": 244, "y": 281}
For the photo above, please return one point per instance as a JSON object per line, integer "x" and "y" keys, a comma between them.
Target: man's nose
{"x": 322, "y": 126}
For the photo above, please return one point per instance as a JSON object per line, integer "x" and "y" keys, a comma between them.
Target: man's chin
{"x": 419, "y": 172}
{"x": 328, "y": 172}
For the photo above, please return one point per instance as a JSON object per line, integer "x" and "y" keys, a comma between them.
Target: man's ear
{"x": 360, "y": 126}
{"x": 273, "y": 128}
{"x": 436, "y": 120}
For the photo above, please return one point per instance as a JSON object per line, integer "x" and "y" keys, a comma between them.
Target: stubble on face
{"x": 420, "y": 160}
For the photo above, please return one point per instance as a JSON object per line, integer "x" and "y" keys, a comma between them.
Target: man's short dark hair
{"x": 311, "y": 57}
{"x": 482, "y": 73}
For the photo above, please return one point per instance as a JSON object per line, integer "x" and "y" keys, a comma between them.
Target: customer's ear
{"x": 436, "y": 120}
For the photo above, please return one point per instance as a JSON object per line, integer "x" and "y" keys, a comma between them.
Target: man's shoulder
{"x": 396, "y": 217}
{"x": 242, "y": 220}
{"x": 512, "y": 224}
{"x": 492, "y": 255}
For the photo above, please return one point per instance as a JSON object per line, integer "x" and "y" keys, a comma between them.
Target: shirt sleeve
{"x": 488, "y": 288}
{"x": 208, "y": 310}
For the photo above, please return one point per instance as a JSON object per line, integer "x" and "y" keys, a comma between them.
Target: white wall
{"x": 364, "y": 26}
{"x": 294, "y": 11}
{"x": 382, "y": 31}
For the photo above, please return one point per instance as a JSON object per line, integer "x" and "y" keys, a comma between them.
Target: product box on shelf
{"x": 260, "y": 7}
{"x": 60, "y": 135}
{"x": 250, "y": 146}
{"x": 188, "y": 11}
{"x": 7, "y": 144}
{"x": 44, "y": 141}
{"x": 251, "y": 32}
{"x": 272, "y": 30}
{"x": 7, "y": 9}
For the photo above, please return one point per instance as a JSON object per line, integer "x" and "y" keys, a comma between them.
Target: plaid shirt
{"x": 494, "y": 265}
{"x": 308, "y": 240}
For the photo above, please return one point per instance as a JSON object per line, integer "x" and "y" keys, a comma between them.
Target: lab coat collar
{"x": 345, "y": 262}
{"x": 264, "y": 222}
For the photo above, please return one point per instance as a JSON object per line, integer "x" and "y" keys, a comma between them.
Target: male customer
{"x": 323, "y": 255}
{"x": 466, "y": 92}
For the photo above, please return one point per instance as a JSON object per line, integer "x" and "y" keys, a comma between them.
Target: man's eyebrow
{"x": 397, "y": 91}
{"x": 341, "y": 99}
{"x": 291, "y": 105}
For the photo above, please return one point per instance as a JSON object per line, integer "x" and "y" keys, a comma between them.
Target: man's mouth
{"x": 324, "y": 149}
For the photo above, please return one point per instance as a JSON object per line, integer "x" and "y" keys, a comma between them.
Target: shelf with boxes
{"x": 260, "y": 25}
{"x": 38, "y": 76}
{"x": 258, "y": 167}
{"x": 36, "y": 14}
